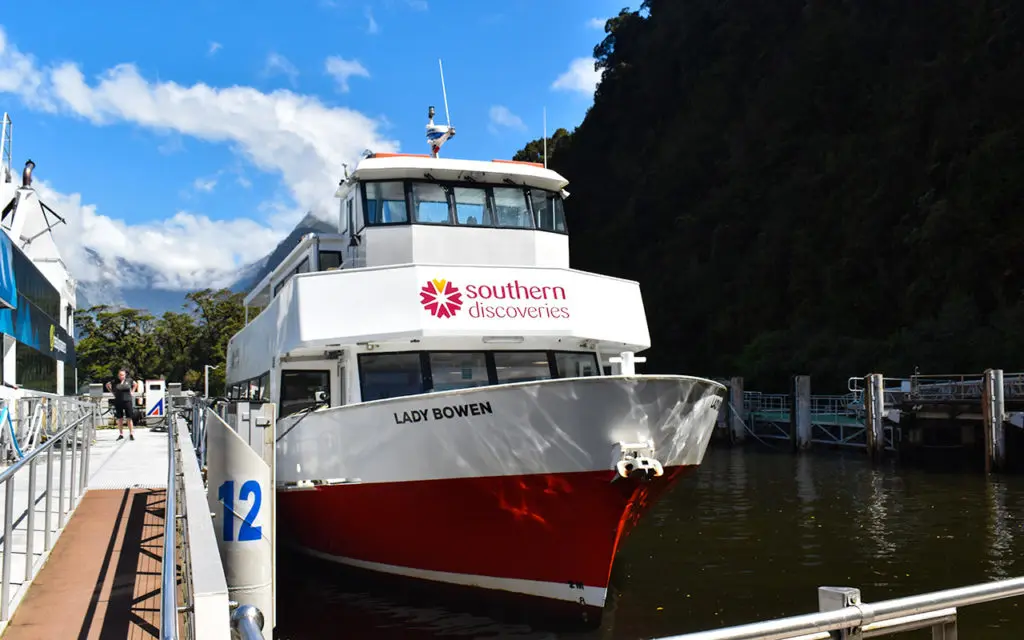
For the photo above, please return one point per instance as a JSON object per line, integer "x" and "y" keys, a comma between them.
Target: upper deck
{"x": 404, "y": 209}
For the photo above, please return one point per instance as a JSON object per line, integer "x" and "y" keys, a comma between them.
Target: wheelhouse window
{"x": 458, "y": 370}
{"x": 430, "y": 203}
{"x": 471, "y": 207}
{"x": 575, "y": 365}
{"x": 548, "y": 209}
{"x": 510, "y": 208}
{"x": 385, "y": 203}
{"x": 390, "y": 375}
{"x": 299, "y": 387}
{"x": 521, "y": 366}
{"x": 463, "y": 204}
{"x": 34, "y": 369}
{"x": 330, "y": 260}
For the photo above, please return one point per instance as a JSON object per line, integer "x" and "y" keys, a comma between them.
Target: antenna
{"x": 438, "y": 134}
{"x": 545, "y": 137}
{"x": 444, "y": 92}
{"x": 6, "y": 141}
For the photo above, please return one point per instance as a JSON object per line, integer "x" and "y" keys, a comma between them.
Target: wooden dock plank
{"x": 103, "y": 577}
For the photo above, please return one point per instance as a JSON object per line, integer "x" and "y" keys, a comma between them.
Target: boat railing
{"x": 843, "y": 615}
{"x": 73, "y": 437}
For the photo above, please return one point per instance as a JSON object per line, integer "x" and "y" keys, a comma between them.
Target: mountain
{"x": 250, "y": 275}
{"x": 142, "y": 293}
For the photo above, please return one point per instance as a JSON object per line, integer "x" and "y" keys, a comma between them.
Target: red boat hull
{"x": 551, "y": 536}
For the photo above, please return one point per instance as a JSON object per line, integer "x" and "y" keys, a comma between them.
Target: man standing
{"x": 123, "y": 403}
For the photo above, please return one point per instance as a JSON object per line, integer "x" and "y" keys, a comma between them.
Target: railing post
{"x": 30, "y": 526}
{"x": 739, "y": 432}
{"x": 60, "y": 484}
{"x": 5, "y": 587}
{"x": 835, "y": 598}
{"x": 73, "y": 488}
{"x": 48, "y": 508}
{"x": 945, "y": 631}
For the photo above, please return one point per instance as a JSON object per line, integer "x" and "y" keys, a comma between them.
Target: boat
{"x": 37, "y": 292}
{"x": 455, "y": 404}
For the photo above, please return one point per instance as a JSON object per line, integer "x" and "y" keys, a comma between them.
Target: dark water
{"x": 750, "y": 536}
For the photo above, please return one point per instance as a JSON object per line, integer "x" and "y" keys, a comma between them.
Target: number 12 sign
{"x": 248, "y": 531}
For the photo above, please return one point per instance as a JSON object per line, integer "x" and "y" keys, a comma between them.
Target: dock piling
{"x": 739, "y": 430}
{"x": 993, "y": 410}
{"x": 802, "y": 424}
{"x": 874, "y": 405}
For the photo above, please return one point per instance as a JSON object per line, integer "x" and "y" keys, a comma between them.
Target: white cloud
{"x": 580, "y": 77}
{"x": 277, "y": 63}
{"x": 500, "y": 116}
{"x": 214, "y": 48}
{"x": 185, "y": 251}
{"x": 343, "y": 69}
{"x": 204, "y": 184}
{"x": 296, "y": 137}
{"x": 371, "y": 25}
{"x": 597, "y": 23}
{"x": 418, "y": 5}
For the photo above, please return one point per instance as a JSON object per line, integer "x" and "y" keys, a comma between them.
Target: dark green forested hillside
{"x": 809, "y": 186}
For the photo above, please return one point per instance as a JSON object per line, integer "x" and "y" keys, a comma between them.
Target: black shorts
{"x": 122, "y": 409}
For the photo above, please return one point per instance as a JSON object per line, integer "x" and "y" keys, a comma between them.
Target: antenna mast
{"x": 6, "y": 138}
{"x": 438, "y": 134}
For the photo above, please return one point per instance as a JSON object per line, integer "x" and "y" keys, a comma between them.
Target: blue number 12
{"x": 247, "y": 531}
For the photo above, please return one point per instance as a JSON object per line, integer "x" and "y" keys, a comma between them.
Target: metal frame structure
{"x": 79, "y": 435}
{"x": 843, "y": 616}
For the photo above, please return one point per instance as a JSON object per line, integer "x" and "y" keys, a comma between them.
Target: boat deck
{"x": 102, "y": 577}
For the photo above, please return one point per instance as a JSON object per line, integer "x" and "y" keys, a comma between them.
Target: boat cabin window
{"x": 392, "y": 375}
{"x": 575, "y": 365}
{"x": 303, "y": 267}
{"x": 549, "y": 210}
{"x": 330, "y": 260}
{"x": 299, "y": 387}
{"x": 385, "y": 203}
{"x": 521, "y": 366}
{"x": 458, "y": 370}
{"x": 463, "y": 204}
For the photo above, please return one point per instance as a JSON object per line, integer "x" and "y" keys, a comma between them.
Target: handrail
{"x": 169, "y": 574}
{"x": 247, "y": 620}
{"x": 860, "y": 614}
{"x": 14, "y": 468}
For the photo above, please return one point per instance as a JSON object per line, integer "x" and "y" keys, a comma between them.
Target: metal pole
{"x": 60, "y": 484}
{"x": 31, "y": 525}
{"x": 49, "y": 499}
{"x": 73, "y": 489}
{"x": 5, "y": 588}
{"x": 168, "y": 588}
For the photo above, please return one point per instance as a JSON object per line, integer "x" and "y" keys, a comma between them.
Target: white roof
{"x": 385, "y": 166}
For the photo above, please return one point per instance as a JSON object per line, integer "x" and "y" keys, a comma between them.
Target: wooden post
{"x": 801, "y": 434}
{"x": 738, "y": 411}
{"x": 993, "y": 410}
{"x": 874, "y": 405}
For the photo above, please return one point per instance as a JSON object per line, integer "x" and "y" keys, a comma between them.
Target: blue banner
{"x": 27, "y": 324}
{"x": 8, "y": 287}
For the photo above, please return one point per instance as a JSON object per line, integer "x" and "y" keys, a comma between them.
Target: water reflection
{"x": 751, "y": 535}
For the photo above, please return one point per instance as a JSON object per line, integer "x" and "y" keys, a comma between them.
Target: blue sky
{"x": 189, "y": 137}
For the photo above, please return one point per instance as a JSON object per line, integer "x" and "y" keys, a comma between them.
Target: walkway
{"x": 103, "y": 579}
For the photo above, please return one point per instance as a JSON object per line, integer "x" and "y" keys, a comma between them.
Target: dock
{"x": 908, "y": 417}
{"x": 96, "y": 546}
